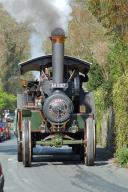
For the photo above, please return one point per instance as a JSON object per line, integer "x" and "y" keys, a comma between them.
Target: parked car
{"x": 10, "y": 118}
{"x": 3, "y": 132}
{"x": 1, "y": 179}
{"x": 6, "y": 127}
{"x": 0, "y": 136}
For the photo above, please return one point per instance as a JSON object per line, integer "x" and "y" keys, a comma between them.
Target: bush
{"x": 96, "y": 78}
{"x": 123, "y": 157}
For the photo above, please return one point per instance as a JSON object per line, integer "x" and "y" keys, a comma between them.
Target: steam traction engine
{"x": 55, "y": 110}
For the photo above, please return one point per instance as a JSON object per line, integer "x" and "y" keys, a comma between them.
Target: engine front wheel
{"x": 90, "y": 142}
{"x": 26, "y": 143}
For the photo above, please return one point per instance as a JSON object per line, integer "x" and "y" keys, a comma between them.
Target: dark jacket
{"x": 1, "y": 119}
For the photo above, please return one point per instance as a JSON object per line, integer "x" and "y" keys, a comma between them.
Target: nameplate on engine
{"x": 58, "y": 85}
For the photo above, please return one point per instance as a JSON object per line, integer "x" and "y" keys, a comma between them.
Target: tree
{"x": 113, "y": 14}
{"x": 14, "y": 48}
{"x": 7, "y": 101}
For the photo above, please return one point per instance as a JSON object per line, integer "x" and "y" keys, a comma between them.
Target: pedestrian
{"x": 5, "y": 116}
{"x": 1, "y": 119}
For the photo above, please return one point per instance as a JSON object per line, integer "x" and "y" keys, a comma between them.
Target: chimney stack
{"x": 58, "y": 38}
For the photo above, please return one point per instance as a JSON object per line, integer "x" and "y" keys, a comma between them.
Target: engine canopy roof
{"x": 36, "y": 64}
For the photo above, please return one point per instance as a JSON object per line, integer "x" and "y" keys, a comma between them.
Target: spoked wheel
{"x": 26, "y": 143}
{"x": 90, "y": 142}
{"x": 19, "y": 152}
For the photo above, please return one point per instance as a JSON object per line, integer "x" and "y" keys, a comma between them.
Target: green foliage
{"x": 7, "y": 101}
{"x": 123, "y": 157}
{"x": 117, "y": 59}
{"x": 108, "y": 87}
{"x": 14, "y": 48}
{"x": 10, "y": 67}
{"x": 113, "y": 91}
{"x": 96, "y": 78}
{"x": 120, "y": 104}
{"x": 99, "y": 107}
{"x": 110, "y": 82}
{"x": 113, "y": 14}
{"x": 116, "y": 67}
{"x": 95, "y": 7}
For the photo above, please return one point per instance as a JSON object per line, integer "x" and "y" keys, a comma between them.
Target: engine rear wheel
{"x": 90, "y": 142}
{"x": 26, "y": 143}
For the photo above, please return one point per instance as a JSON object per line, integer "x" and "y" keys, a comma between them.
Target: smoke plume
{"x": 45, "y": 15}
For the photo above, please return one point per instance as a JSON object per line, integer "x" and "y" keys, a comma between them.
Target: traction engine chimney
{"x": 58, "y": 38}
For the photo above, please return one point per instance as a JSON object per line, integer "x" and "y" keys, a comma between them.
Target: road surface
{"x": 59, "y": 170}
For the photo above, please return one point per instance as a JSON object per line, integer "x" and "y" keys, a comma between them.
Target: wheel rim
{"x": 94, "y": 129}
{"x": 30, "y": 143}
{"x": 89, "y": 137}
{"x": 23, "y": 144}
{"x": 26, "y": 143}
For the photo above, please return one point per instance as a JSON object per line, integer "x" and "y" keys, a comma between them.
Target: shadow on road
{"x": 66, "y": 157}
{"x": 51, "y": 155}
{"x": 9, "y": 150}
{"x": 102, "y": 154}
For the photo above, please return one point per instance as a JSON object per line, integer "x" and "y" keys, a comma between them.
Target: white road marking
{"x": 9, "y": 188}
{"x": 11, "y": 159}
{"x": 25, "y": 180}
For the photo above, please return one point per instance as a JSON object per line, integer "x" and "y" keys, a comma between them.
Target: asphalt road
{"x": 59, "y": 170}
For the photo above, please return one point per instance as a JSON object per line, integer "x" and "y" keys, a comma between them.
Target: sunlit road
{"x": 58, "y": 170}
